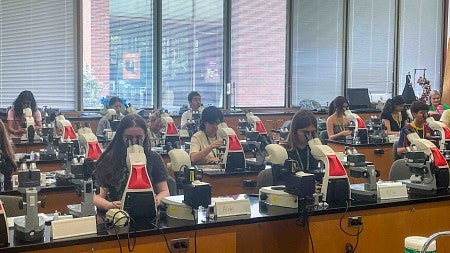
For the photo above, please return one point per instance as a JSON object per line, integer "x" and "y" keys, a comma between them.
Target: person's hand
{"x": 214, "y": 160}
{"x": 346, "y": 133}
{"x": 20, "y": 131}
{"x": 115, "y": 204}
{"x": 216, "y": 144}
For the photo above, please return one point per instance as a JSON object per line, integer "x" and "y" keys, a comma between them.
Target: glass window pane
{"x": 420, "y": 34}
{"x": 192, "y": 51}
{"x": 258, "y": 48}
{"x": 118, "y": 52}
{"x": 317, "y": 50}
{"x": 37, "y": 52}
{"x": 370, "y": 62}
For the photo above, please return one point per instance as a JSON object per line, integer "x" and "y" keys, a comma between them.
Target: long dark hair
{"x": 18, "y": 103}
{"x": 110, "y": 165}
{"x": 337, "y": 104}
{"x": 5, "y": 145}
{"x": 301, "y": 119}
{"x": 389, "y": 107}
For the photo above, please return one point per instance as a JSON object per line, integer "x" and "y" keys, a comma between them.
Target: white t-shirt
{"x": 199, "y": 142}
{"x": 188, "y": 115}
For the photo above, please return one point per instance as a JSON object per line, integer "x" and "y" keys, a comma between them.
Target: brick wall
{"x": 96, "y": 41}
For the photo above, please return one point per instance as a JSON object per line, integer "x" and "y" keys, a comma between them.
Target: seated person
{"x": 419, "y": 111}
{"x": 436, "y": 107}
{"x": 116, "y": 104}
{"x": 154, "y": 126}
{"x": 9, "y": 164}
{"x": 16, "y": 118}
{"x": 112, "y": 172}
{"x": 303, "y": 123}
{"x": 195, "y": 103}
{"x": 205, "y": 142}
{"x": 393, "y": 115}
{"x": 337, "y": 122}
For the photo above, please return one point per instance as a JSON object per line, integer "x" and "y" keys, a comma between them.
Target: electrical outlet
{"x": 354, "y": 221}
{"x": 179, "y": 245}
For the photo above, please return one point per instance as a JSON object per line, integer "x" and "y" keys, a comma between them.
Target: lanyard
{"x": 300, "y": 159}
{"x": 209, "y": 143}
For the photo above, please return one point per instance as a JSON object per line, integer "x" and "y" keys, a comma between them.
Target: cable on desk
{"x": 349, "y": 248}
{"x": 162, "y": 233}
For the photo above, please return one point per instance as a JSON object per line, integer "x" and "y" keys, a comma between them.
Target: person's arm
{"x": 401, "y": 148}
{"x": 387, "y": 124}
{"x": 37, "y": 120}
{"x": 10, "y": 125}
{"x": 330, "y": 131}
{"x": 101, "y": 203}
{"x": 184, "y": 119}
{"x": 197, "y": 154}
{"x": 162, "y": 191}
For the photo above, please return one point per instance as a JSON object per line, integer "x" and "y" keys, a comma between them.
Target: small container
{"x": 414, "y": 244}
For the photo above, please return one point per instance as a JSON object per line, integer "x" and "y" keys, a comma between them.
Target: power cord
{"x": 349, "y": 247}
{"x": 162, "y": 233}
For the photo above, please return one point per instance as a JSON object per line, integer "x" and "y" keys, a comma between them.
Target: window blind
{"x": 371, "y": 31}
{"x": 37, "y": 51}
{"x": 421, "y": 38}
{"x": 317, "y": 48}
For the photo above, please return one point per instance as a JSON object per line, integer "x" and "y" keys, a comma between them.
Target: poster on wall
{"x": 131, "y": 66}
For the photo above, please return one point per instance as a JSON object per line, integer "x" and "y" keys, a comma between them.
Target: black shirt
{"x": 306, "y": 161}
{"x": 395, "y": 127}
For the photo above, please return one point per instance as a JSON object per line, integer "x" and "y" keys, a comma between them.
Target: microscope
{"x": 67, "y": 153}
{"x": 196, "y": 193}
{"x": 193, "y": 123}
{"x": 89, "y": 143}
{"x": 29, "y": 228}
{"x": 256, "y": 139}
{"x": 114, "y": 121}
{"x": 82, "y": 170}
{"x": 65, "y": 128}
{"x": 429, "y": 168}
{"x": 358, "y": 127}
{"x": 335, "y": 185}
{"x": 171, "y": 135}
{"x": 297, "y": 185}
{"x": 138, "y": 199}
{"x": 29, "y": 124}
{"x": 366, "y": 192}
{"x": 443, "y": 132}
{"x": 377, "y": 129}
{"x": 233, "y": 158}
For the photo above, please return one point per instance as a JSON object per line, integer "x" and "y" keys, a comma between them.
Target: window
{"x": 37, "y": 52}
{"x": 317, "y": 48}
{"x": 370, "y": 57}
{"x": 258, "y": 48}
{"x": 192, "y": 51}
{"x": 118, "y": 52}
{"x": 420, "y": 47}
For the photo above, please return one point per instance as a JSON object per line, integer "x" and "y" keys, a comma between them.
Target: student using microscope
{"x": 154, "y": 127}
{"x": 112, "y": 172}
{"x": 116, "y": 104}
{"x": 304, "y": 123}
{"x": 419, "y": 125}
{"x": 337, "y": 122}
{"x": 205, "y": 142}
{"x": 16, "y": 118}
{"x": 393, "y": 115}
{"x": 195, "y": 103}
